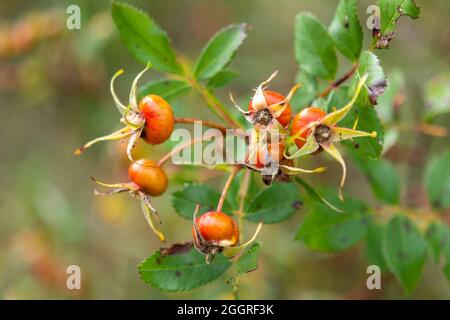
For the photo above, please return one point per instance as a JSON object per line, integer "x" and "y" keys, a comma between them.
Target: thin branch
{"x": 339, "y": 81}
{"x": 213, "y": 102}
{"x": 181, "y": 147}
{"x": 226, "y": 187}
{"x": 206, "y": 123}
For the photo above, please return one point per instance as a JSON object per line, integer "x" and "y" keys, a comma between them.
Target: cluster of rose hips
{"x": 309, "y": 132}
{"x": 272, "y": 138}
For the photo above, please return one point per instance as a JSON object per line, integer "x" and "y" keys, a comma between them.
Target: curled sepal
{"x": 132, "y": 142}
{"x": 259, "y": 101}
{"x": 117, "y": 135}
{"x": 230, "y": 252}
{"x": 199, "y": 241}
{"x": 120, "y": 106}
{"x": 310, "y": 146}
{"x": 340, "y": 134}
{"x": 294, "y": 170}
{"x": 147, "y": 211}
{"x": 278, "y": 108}
{"x": 247, "y": 114}
{"x": 133, "y": 92}
{"x": 334, "y": 117}
{"x": 130, "y": 186}
{"x": 111, "y": 192}
{"x": 334, "y": 152}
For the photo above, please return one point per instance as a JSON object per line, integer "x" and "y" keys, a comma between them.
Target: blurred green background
{"x": 54, "y": 96}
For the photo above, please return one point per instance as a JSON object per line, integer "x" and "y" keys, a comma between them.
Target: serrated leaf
{"x": 374, "y": 246}
{"x": 182, "y": 271}
{"x": 248, "y": 261}
{"x": 168, "y": 89}
{"x": 219, "y": 51}
{"x": 368, "y": 121}
{"x": 144, "y": 38}
{"x": 437, "y": 95}
{"x": 437, "y": 181}
{"x": 346, "y": 31}
{"x": 382, "y": 177}
{"x": 390, "y": 12}
{"x": 326, "y": 230}
{"x": 307, "y": 92}
{"x": 222, "y": 78}
{"x": 274, "y": 204}
{"x": 314, "y": 48}
{"x": 185, "y": 200}
{"x": 376, "y": 82}
{"x": 404, "y": 250}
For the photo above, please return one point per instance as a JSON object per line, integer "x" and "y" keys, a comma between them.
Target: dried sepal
{"x": 130, "y": 186}
{"x": 278, "y": 108}
{"x": 120, "y": 106}
{"x": 259, "y": 101}
{"x": 294, "y": 170}
{"x": 232, "y": 251}
{"x": 331, "y": 149}
{"x": 310, "y": 146}
{"x": 132, "y": 142}
{"x": 117, "y": 135}
{"x": 147, "y": 211}
{"x": 334, "y": 117}
{"x": 340, "y": 134}
{"x": 133, "y": 92}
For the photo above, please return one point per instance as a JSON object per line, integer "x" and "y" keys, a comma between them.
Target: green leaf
{"x": 168, "y": 89}
{"x": 222, "y": 78}
{"x": 274, "y": 204}
{"x": 181, "y": 271}
{"x": 437, "y": 181}
{"x": 437, "y": 95}
{"x": 390, "y": 12}
{"x": 314, "y": 48}
{"x": 346, "y": 31}
{"x": 368, "y": 121}
{"x": 144, "y": 38}
{"x": 438, "y": 236}
{"x": 374, "y": 246}
{"x": 325, "y": 230}
{"x": 219, "y": 51}
{"x": 185, "y": 200}
{"x": 404, "y": 250}
{"x": 248, "y": 261}
{"x": 314, "y": 195}
{"x": 383, "y": 179}
{"x": 376, "y": 82}
{"x": 307, "y": 92}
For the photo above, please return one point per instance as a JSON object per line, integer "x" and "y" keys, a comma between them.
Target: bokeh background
{"x": 54, "y": 95}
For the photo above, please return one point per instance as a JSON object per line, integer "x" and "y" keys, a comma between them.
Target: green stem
{"x": 208, "y": 96}
{"x": 214, "y": 104}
